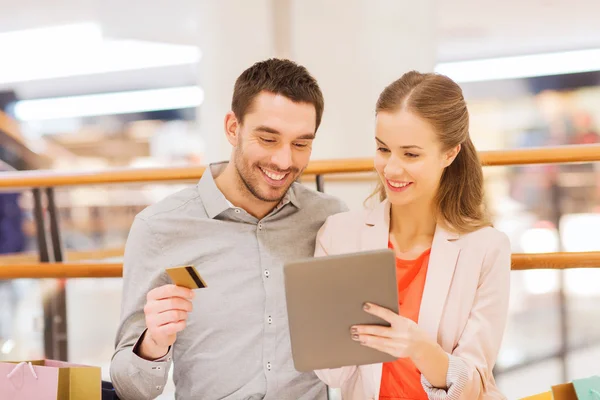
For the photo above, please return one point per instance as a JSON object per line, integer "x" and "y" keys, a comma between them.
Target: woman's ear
{"x": 231, "y": 128}
{"x": 450, "y": 155}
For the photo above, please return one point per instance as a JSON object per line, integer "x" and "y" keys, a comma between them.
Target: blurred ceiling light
{"x": 540, "y": 281}
{"x": 568, "y": 62}
{"x": 80, "y": 49}
{"x": 579, "y": 232}
{"x": 540, "y": 240}
{"x": 109, "y": 103}
{"x": 59, "y": 36}
{"x": 582, "y": 282}
{"x": 8, "y": 346}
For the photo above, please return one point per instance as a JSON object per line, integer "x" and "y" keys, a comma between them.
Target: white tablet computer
{"x": 325, "y": 298}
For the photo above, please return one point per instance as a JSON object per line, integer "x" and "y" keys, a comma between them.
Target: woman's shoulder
{"x": 486, "y": 233}
{"x": 488, "y": 238}
{"x": 347, "y": 216}
{"x": 353, "y": 218}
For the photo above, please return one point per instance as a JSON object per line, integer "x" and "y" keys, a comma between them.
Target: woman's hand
{"x": 401, "y": 340}
{"x": 404, "y": 339}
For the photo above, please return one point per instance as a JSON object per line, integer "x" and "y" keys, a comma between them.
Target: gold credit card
{"x": 186, "y": 276}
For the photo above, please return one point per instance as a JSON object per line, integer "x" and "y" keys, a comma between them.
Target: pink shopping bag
{"x": 49, "y": 380}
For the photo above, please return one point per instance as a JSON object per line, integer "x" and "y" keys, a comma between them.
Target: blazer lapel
{"x": 442, "y": 263}
{"x": 376, "y": 232}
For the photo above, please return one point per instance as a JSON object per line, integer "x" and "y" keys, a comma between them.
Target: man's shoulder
{"x": 180, "y": 202}
{"x": 319, "y": 202}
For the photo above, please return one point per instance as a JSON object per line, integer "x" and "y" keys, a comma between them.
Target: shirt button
{"x": 259, "y": 226}
{"x": 270, "y": 320}
{"x": 237, "y": 210}
{"x": 158, "y": 387}
{"x": 269, "y": 366}
{"x": 267, "y": 273}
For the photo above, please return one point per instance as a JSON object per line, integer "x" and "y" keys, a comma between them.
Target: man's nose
{"x": 283, "y": 158}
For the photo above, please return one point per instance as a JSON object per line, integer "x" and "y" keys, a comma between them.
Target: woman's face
{"x": 409, "y": 158}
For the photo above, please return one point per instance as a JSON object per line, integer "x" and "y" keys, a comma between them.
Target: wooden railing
{"x": 42, "y": 179}
{"x": 30, "y": 258}
{"x": 115, "y": 270}
{"x": 50, "y": 260}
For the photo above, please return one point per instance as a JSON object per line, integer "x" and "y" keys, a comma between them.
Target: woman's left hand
{"x": 400, "y": 340}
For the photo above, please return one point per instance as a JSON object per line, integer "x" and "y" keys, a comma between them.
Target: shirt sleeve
{"x": 132, "y": 376}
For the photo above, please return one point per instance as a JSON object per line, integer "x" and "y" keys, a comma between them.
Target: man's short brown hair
{"x": 283, "y": 77}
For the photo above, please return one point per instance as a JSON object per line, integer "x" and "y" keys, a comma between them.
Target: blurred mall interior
{"x": 92, "y": 85}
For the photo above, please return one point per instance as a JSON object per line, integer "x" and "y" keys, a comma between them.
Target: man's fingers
{"x": 174, "y": 303}
{"x": 171, "y": 328}
{"x": 159, "y": 306}
{"x": 168, "y": 317}
{"x": 168, "y": 291}
{"x": 166, "y": 312}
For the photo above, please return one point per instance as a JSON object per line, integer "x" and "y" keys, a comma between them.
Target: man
{"x": 238, "y": 226}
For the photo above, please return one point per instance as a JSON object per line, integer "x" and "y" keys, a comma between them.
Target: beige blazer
{"x": 464, "y": 305}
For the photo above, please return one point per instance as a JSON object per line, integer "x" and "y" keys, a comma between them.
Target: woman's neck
{"x": 412, "y": 227}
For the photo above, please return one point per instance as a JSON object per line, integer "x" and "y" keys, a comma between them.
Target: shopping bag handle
{"x": 19, "y": 366}
{"x": 595, "y": 392}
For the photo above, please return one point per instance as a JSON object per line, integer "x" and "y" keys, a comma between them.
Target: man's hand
{"x": 166, "y": 312}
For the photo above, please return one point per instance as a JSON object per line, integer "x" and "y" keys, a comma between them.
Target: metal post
{"x": 320, "y": 183}
{"x": 54, "y": 228}
{"x": 555, "y": 192}
{"x": 59, "y": 323}
{"x": 55, "y": 307}
{"x": 40, "y": 226}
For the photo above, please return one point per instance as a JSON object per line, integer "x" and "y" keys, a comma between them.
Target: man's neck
{"x": 236, "y": 192}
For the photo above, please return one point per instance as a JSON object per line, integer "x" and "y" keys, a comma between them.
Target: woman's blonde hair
{"x": 439, "y": 100}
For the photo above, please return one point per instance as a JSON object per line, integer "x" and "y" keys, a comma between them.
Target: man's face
{"x": 273, "y": 145}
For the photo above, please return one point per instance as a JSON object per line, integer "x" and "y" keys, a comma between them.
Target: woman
{"x": 453, "y": 268}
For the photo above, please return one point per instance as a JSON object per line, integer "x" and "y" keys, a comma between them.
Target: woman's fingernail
{"x": 354, "y": 330}
{"x": 355, "y": 337}
{"x": 366, "y": 306}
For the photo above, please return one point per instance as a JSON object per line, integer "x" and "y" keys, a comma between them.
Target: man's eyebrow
{"x": 308, "y": 136}
{"x": 273, "y": 131}
{"x": 267, "y": 129}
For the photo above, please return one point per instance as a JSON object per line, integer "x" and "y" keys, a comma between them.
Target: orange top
{"x": 400, "y": 379}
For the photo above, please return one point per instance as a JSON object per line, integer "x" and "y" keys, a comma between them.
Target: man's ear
{"x": 232, "y": 128}
{"x": 450, "y": 155}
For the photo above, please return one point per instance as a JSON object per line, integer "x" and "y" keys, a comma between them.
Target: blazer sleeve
{"x": 334, "y": 378}
{"x": 472, "y": 361}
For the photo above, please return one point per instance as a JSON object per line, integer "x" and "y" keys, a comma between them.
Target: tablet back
{"x": 325, "y": 296}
